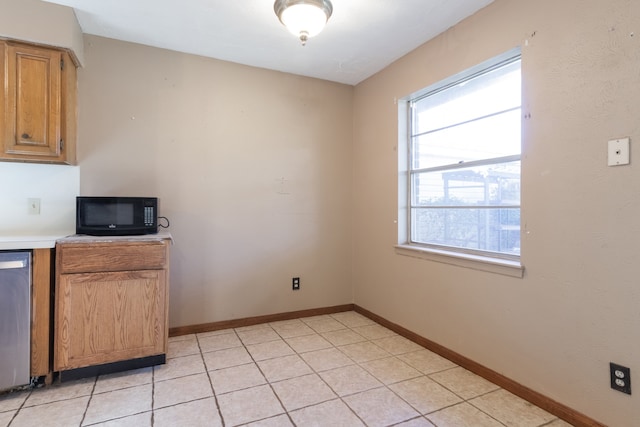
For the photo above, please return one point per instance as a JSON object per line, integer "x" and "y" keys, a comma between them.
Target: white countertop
{"x": 29, "y": 242}
{"x": 79, "y": 238}
{"x": 49, "y": 241}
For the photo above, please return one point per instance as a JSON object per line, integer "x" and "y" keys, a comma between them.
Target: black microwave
{"x": 116, "y": 216}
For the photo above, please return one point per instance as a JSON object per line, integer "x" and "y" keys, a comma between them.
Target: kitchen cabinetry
{"x": 41, "y": 314}
{"x": 37, "y": 104}
{"x": 111, "y": 301}
{"x": 41, "y": 304}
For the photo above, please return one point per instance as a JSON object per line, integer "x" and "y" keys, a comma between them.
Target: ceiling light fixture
{"x": 303, "y": 18}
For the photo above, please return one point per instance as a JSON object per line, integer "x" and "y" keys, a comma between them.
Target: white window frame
{"x": 477, "y": 259}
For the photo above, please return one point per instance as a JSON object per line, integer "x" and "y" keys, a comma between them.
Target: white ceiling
{"x": 361, "y": 38}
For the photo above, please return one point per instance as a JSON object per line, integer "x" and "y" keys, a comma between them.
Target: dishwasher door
{"x": 15, "y": 318}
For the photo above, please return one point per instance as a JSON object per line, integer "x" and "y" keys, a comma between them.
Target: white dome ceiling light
{"x": 303, "y": 18}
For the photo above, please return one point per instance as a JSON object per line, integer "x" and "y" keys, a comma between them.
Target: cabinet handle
{"x": 26, "y": 136}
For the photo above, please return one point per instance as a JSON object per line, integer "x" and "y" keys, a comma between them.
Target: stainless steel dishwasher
{"x": 15, "y": 318}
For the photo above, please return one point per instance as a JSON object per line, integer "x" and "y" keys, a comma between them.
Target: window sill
{"x": 475, "y": 262}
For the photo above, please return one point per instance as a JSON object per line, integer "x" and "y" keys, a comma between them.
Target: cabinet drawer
{"x": 109, "y": 256}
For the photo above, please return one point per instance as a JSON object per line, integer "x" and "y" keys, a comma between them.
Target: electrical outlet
{"x": 295, "y": 284}
{"x": 620, "y": 378}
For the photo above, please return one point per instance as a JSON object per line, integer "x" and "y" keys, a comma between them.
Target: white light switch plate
{"x": 33, "y": 206}
{"x": 618, "y": 152}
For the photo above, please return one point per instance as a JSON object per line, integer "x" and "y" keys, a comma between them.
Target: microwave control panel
{"x": 149, "y": 217}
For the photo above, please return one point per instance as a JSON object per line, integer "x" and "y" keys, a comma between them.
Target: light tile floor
{"x": 334, "y": 370}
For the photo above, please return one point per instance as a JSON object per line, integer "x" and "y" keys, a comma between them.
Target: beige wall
{"x": 214, "y": 140}
{"x": 41, "y": 22}
{"x": 578, "y": 306}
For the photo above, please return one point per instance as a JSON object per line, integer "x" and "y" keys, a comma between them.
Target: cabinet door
{"x": 108, "y": 317}
{"x": 34, "y": 117}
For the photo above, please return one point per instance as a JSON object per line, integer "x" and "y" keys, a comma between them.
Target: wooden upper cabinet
{"x": 38, "y": 104}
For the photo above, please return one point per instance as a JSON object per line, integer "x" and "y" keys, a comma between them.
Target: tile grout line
{"x": 265, "y": 377}
{"x": 15, "y": 414}
{"x": 93, "y": 394}
{"x": 384, "y": 385}
{"x": 428, "y": 376}
{"x": 185, "y": 376}
{"x": 84, "y": 414}
{"x": 464, "y": 400}
{"x": 153, "y": 392}
{"x": 213, "y": 390}
{"x": 469, "y": 401}
{"x": 122, "y": 417}
{"x": 356, "y": 363}
{"x": 315, "y": 372}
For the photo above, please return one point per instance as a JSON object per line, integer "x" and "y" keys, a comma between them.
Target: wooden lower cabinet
{"x": 106, "y": 311}
{"x": 41, "y": 313}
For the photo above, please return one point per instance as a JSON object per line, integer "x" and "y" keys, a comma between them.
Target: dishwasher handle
{"x": 10, "y": 265}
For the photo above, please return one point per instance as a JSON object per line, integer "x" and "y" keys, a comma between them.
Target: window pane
{"x": 496, "y": 136}
{"x": 488, "y": 185}
{"x": 464, "y": 162}
{"x": 493, "y": 230}
{"x": 489, "y": 93}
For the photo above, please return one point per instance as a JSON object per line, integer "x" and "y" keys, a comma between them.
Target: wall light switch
{"x": 618, "y": 152}
{"x": 34, "y": 206}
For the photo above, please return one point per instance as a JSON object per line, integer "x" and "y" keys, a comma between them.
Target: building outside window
{"x": 463, "y": 166}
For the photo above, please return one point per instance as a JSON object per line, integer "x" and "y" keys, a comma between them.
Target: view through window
{"x": 464, "y": 163}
